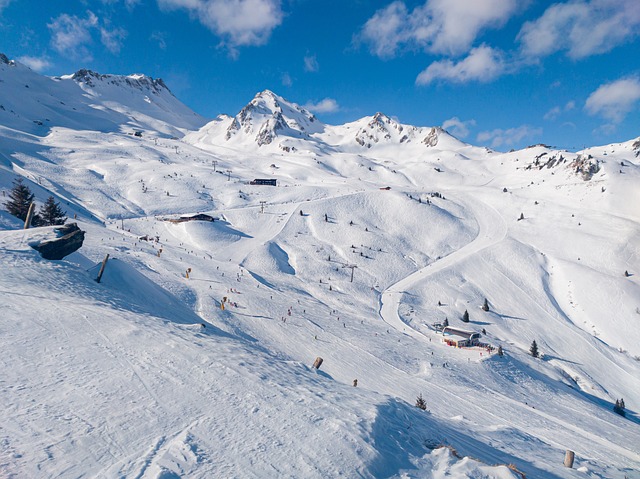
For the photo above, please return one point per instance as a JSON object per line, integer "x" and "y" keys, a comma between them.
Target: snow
{"x": 145, "y": 375}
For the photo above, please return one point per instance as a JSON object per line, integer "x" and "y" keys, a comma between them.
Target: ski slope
{"x": 153, "y": 374}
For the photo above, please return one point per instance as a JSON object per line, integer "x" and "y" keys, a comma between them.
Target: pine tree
{"x": 534, "y": 349}
{"x": 485, "y": 306}
{"x": 421, "y": 403}
{"x": 465, "y": 316}
{"x": 51, "y": 214}
{"x": 20, "y": 200}
{"x": 619, "y": 407}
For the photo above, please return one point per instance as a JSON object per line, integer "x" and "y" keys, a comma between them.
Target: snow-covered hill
{"x": 32, "y": 103}
{"x": 192, "y": 357}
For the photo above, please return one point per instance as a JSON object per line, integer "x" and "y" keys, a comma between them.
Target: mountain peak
{"x": 4, "y": 59}
{"x": 269, "y": 115}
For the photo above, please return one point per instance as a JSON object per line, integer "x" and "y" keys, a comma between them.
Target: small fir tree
{"x": 534, "y": 349}
{"x": 20, "y": 198}
{"x": 421, "y": 403}
{"x": 619, "y": 407}
{"x": 51, "y": 214}
{"x": 465, "y": 316}
{"x": 485, "y": 306}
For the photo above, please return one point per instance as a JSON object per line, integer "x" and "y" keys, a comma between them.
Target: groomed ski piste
{"x": 193, "y": 355}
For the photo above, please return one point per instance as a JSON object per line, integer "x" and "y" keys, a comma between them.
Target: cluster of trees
{"x": 20, "y": 199}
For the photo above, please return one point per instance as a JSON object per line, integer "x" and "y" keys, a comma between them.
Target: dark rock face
{"x": 70, "y": 240}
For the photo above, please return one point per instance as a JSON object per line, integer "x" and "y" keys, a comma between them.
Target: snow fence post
{"x": 104, "y": 263}
{"x": 568, "y": 458}
{"x": 27, "y": 221}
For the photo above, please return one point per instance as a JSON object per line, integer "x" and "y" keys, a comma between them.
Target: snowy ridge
{"x": 192, "y": 357}
{"x": 139, "y": 81}
{"x": 271, "y": 120}
{"x": 33, "y": 103}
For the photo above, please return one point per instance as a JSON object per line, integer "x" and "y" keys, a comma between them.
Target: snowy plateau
{"x": 193, "y": 357}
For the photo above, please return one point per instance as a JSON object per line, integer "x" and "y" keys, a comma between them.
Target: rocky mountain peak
{"x": 4, "y": 59}
{"x": 137, "y": 81}
{"x": 269, "y": 115}
{"x": 382, "y": 128}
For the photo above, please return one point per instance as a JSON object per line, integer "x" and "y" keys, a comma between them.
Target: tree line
{"x": 20, "y": 199}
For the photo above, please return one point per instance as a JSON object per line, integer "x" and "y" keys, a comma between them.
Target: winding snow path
{"x": 491, "y": 230}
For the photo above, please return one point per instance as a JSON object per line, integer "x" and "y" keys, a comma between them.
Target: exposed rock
{"x": 585, "y": 166}
{"x": 432, "y": 137}
{"x": 636, "y": 147}
{"x": 140, "y": 82}
{"x": 70, "y": 239}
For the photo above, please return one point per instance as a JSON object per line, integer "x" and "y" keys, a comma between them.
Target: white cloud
{"x": 35, "y": 63}
{"x": 483, "y": 64}
{"x": 70, "y": 34}
{"x": 438, "y": 26}
{"x": 311, "y": 63}
{"x": 556, "y": 111}
{"x": 3, "y": 4}
{"x": 328, "y": 105}
{"x": 614, "y": 100}
{"x": 509, "y": 137}
{"x": 286, "y": 79}
{"x": 458, "y": 127}
{"x": 160, "y": 38}
{"x": 582, "y": 28}
{"x": 238, "y": 22}
{"x": 553, "y": 113}
{"x": 112, "y": 39}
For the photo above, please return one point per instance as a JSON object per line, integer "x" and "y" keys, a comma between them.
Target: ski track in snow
{"x": 491, "y": 230}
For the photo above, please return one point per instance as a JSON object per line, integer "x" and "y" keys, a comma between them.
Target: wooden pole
{"x": 27, "y": 222}
{"x": 104, "y": 263}
{"x": 568, "y": 458}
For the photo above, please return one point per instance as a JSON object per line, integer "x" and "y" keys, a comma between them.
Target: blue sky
{"x": 501, "y": 73}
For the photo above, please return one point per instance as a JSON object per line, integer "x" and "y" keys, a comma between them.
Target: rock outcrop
{"x": 70, "y": 239}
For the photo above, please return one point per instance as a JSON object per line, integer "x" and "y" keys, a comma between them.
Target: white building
{"x": 460, "y": 338}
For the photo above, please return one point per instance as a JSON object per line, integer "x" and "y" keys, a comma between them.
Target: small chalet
{"x": 264, "y": 182}
{"x": 460, "y": 338}
{"x": 198, "y": 217}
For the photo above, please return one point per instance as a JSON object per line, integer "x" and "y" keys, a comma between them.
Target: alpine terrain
{"x": 419, "y": 268}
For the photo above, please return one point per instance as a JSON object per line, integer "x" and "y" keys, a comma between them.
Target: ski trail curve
{"x": 491, "y": 230}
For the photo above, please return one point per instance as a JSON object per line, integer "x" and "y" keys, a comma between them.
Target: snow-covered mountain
{"x": 90, "y": 101}
{"x": 271, "y": 122}
{"x": 193, "y": 356}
